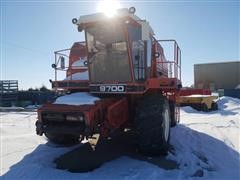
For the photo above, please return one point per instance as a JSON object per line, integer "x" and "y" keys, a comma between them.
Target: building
{"x": 214, "y": 76}
{"x": 8, "y": 92}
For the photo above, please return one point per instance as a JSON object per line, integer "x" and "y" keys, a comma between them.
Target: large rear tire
{"x": 172, "y": 107}
{"x": 62, "y": 139}
{"x": 152, "y": 123}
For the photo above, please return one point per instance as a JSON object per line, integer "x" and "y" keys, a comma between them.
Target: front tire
{"x": 62, "y": 139}
{"x": 152, "y": 123}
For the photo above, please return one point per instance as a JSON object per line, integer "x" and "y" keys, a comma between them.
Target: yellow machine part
{"x": 194, "y": 100}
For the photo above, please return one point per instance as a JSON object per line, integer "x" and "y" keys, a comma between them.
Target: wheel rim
{"x": 166, "y": 124}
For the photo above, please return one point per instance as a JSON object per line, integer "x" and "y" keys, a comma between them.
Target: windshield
{"x": 107, "y": 52}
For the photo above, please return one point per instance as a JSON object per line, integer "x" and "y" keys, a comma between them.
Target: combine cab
{"x": 127, "y": 79}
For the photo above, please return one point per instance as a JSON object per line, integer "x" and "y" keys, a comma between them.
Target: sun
{"x": 108, "y": 7}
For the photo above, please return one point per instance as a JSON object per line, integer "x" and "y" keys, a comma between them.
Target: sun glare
{"x": 108, "y": 7}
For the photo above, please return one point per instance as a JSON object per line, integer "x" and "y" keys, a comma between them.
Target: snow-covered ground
{"x": 205, "y": 144}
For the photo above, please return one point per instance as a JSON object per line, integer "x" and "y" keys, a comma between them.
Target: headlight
{"x": 74, "y": 118}
{"x": 81, "y": 118}
{"x": 132, "y": 10}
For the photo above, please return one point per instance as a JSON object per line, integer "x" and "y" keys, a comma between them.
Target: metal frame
{"x": 61, "y": 53}
{"x": 177, "y": 58}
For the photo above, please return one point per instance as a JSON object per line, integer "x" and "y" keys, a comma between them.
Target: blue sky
{"x": 31, "y": 31}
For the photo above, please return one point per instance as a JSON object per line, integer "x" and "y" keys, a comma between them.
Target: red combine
{"x": 123, "y": 68}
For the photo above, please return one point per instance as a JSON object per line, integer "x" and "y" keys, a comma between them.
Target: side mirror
{"x": 85, "y": 63}
{"x": 62, "y": 62}
{"x": 137, "y": 57}
{"x": 80, "y": 29}
{"x": 156, "y": 55}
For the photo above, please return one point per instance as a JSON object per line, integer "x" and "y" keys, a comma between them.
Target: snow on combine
{"x": 118, "y": 78}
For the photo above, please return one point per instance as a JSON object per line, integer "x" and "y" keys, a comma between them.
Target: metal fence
{"x": 8, "y": 92}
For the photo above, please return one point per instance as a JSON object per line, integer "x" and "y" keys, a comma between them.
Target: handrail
{"x": 176, "y": 69}
{"x": 65, "y": 53}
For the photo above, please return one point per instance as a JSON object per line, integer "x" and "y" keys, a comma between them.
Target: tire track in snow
{"x": 191, "y": 152}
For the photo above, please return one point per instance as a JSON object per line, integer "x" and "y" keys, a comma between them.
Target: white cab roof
{"x": 124, "y": 12}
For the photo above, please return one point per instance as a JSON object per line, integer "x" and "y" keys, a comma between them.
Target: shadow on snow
{"x": 192, "y": 154}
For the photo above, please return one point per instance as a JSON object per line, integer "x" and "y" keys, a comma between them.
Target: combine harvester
{"x": 118, "y": 78}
